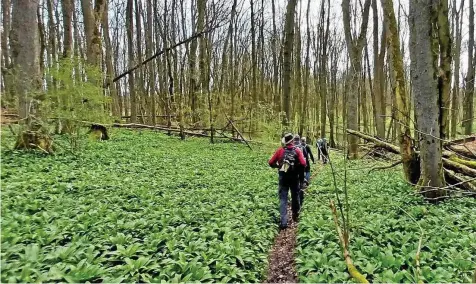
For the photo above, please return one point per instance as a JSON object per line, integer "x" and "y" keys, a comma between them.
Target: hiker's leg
{"x": 308, "y": 175}
{"x": 283, "y": 202}
{"x": 295, "y": 205}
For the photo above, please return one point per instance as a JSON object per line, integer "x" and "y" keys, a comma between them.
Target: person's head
{"x": 297, "y": 139}
{"x": 287, "y": 139}
{"x": 304, "y": 140}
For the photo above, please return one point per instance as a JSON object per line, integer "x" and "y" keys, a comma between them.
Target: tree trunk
{"x": 92, "y": 20}
{"x": 354, "y": 49}
{"x": 287, "y": 60}
{"x": 379, "y": 106}
{"x": 151, "y": 69}
{"x": 425, "y": 90}
{"x": 445, "y": 43}
{"x": 468, "y": 105}
{"x": 130, "y": 51}
{"x": 25, "y": 52}
{"x": 402, "y": 114}
{"x": 457, "y": 54}
{"x": 110, "y": 65}
{"x": 68, "y": 7}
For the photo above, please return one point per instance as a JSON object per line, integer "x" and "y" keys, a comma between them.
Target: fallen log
{"x": 391, "y": 148}
{"x": 458, "y": 141}
{"x": 457, "y": 167}
{"x": 198, "y": 134}
{"x": 455, "y": 180}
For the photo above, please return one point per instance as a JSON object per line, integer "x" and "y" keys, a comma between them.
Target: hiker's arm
{"x": 275, "y": 158}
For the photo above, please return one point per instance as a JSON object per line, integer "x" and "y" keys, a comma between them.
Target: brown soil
{"x": 281, "y": 264}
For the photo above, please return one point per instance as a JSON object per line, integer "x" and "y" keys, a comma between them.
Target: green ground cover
{"x": 148, "y": 207}
{"x": 386, "y": 217}
{"x": 140, "y": 207}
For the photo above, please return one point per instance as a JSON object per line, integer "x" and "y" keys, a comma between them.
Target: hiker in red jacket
{"x": 289, "y": 160}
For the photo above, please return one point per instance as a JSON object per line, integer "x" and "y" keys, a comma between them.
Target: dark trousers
{"x": 288, "y": 182}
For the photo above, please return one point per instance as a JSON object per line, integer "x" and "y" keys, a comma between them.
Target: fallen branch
{"x": 196, "y": 35}
{"x": 391, "y": 148}
{"x": 386, "y": 167}
{"x": 348, "y": 261}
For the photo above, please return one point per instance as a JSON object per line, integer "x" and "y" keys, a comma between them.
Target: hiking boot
{"x": 283, "y": 227}
{"x": 295, "y": 217}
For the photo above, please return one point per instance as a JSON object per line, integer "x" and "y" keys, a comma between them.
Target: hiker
{"x": 288, "y": 159}
{"x": 302, "y": 170}
{"x": 307, "y": 171}
{"x": 322, "y": 149}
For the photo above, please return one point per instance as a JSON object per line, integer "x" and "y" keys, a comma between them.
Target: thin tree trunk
{"x": 445, "y": 65}
{"x": 456, "y": 60}
{"x": 130, "y": 51}
{"x": 402, "y": 99}
{"x": 287, "y": 60}
{"x": 68, "y": 7}
{"x": 110, "y": 65}
{"x": 468, "y": 104}
{"x": 354, "y": 49}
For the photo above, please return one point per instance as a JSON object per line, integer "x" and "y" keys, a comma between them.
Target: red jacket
{"x": 278, "y": 156}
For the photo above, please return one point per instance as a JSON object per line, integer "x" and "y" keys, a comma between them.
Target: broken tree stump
{"x": 34, "y": 140}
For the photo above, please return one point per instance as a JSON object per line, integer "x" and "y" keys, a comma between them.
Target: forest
{"x": 136, "y": 137}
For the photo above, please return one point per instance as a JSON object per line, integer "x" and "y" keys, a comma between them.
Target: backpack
{"x": 288, "y": 163}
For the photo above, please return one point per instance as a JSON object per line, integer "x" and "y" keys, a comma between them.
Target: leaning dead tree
{"x": 459, "y": 160}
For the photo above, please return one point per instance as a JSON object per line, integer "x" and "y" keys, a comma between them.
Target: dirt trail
{"x": 281, "y": 260}
{"x": 281, "y": 265}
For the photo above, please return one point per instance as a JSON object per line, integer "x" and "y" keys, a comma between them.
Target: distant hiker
{"x": 288, "y": 159}
{"x": 322, "y": 150}
{"x": 302, "y": 170}
{"x": 307, "y": 171}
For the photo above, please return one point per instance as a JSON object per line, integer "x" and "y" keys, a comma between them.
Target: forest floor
{"x": 144, "y": 206}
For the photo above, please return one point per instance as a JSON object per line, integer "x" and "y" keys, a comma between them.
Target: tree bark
{"x": 445, "y": 75}
{"x": 25, "y": 52}
{"x": 425, "y": 89}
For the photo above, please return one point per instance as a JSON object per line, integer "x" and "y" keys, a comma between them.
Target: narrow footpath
{"x": 281, "y": 263}
{"x": 281, "y": 259}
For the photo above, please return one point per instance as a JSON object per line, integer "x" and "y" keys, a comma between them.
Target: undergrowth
{"x": 385, "y": 217}
{"x": 140, "y": 207}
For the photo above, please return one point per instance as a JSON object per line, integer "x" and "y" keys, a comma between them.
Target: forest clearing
{"x": 272, "y": 141}
{"x": 148, "y": 207}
